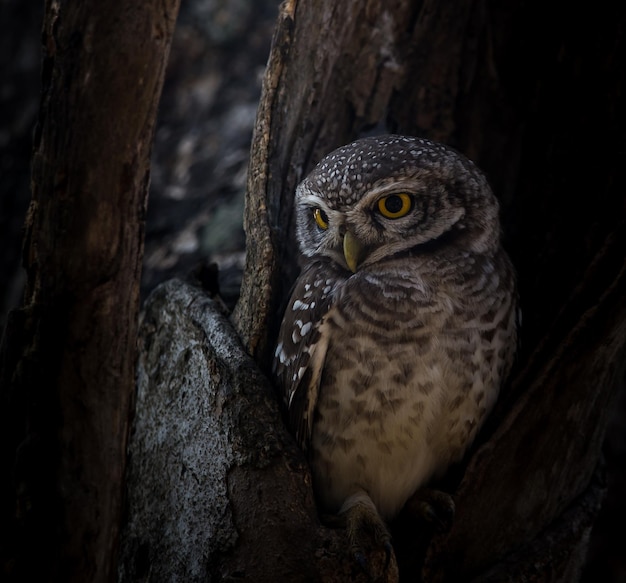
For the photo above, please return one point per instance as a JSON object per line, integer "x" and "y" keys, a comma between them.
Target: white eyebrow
{"x": 313, "y": 200}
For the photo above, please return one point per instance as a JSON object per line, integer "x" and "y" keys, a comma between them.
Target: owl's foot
{"x": 369, "y": 538}
{"x": 434, "y": 507}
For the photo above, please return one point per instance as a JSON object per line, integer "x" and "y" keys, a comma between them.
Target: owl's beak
{"x": 352, "y": 250}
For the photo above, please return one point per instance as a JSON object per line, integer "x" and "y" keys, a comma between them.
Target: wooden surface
{"x": 68, "y": 366}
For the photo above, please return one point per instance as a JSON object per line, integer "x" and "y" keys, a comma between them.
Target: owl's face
{"x": 380, "y": 197}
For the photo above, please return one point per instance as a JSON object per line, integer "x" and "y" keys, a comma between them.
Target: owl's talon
{"x": 435, "y": 507}
{"x": 369, "y": 539}
{"x": 388, "y": 552}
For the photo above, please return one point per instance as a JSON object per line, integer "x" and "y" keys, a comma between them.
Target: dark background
{"x": 199, "y": 169}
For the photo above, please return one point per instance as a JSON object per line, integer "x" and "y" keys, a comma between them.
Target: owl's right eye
{"x": 395, "y": 206}
{"x": 321, "y": 218}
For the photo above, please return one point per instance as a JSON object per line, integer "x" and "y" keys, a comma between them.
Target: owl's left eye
{"x": 321, "y": 218}
{"x": 395, "y": 206}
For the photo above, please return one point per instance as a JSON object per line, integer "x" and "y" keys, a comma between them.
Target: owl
{"x": 401, "y": 327}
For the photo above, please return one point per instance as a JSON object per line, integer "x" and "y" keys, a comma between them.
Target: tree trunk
{"x": 522, "y": 96}
{"x": 68, "y": 358}
{"x": 218, "y": 490}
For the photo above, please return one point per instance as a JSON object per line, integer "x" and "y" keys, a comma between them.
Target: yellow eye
{"x": 321, "y": 218}
{"x": 395, "y": 206}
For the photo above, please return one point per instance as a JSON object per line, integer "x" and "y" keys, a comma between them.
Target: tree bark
{"x": 526, "y": 497}
{"x": 218, "y": 490}
{"x": 68, "y": 358}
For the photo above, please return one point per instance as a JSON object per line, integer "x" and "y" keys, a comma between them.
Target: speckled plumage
{"x": 389, "y": 371}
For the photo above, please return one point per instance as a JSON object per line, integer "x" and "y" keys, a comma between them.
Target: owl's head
{"x": 384, "y": 196}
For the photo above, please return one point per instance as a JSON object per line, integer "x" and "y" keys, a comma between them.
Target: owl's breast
{"x": 405, "y": 386}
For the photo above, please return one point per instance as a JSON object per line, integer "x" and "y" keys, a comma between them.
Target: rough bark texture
{"x": 218, "y": 490}
{"x": 68, "y": 358}
{"x": 522, "y": 96}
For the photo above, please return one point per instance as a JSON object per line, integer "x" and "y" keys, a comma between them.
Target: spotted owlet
{"x": 401, "y": 326}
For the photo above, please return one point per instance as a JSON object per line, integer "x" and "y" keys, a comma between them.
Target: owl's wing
{"x": 301, "y": 349}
